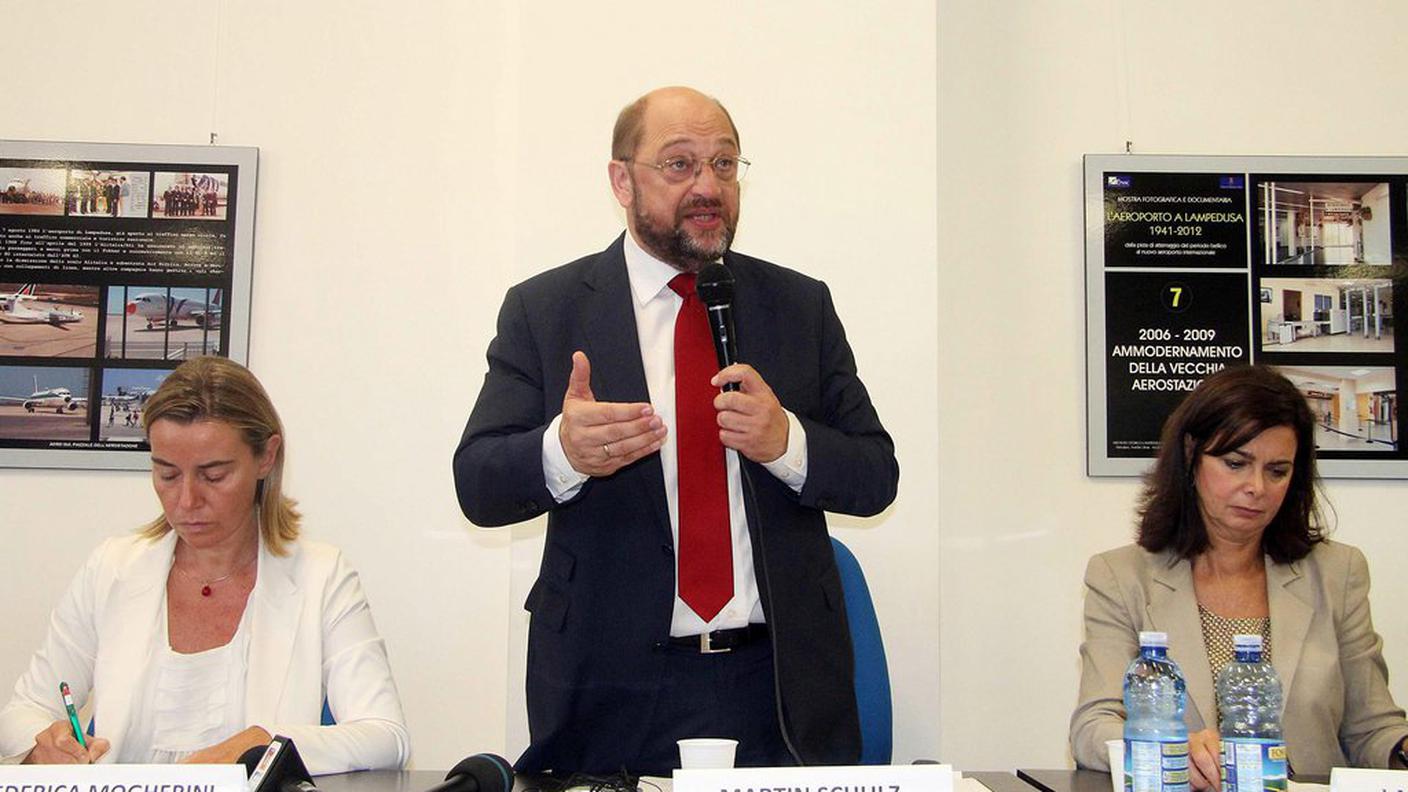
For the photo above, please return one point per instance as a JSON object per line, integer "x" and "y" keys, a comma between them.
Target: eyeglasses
{"x": 677, "y": 170}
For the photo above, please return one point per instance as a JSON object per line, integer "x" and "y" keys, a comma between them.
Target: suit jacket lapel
{"x": 1173, "y": 609}
{"x": 1289, "y": 597}
{"x": 275, "y": 610}
{"x": 610, "y": 319}
{"x": 613, "y": 347}
{"x": 752, "y": 312}
{"x": 135, "y": 607}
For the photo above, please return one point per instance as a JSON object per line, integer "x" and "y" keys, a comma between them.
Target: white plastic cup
{"x": 707, "y": 753}
{"x": 1115, "y": 750}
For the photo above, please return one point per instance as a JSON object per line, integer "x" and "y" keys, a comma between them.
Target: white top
{"x": 656, "y": 305}
{"x": 190, "y": 701}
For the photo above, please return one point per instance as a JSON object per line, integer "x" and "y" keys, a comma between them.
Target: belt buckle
{"x": 706, "y": 646}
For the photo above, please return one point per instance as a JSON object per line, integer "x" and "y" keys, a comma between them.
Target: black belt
{"x": 722, "y": 640}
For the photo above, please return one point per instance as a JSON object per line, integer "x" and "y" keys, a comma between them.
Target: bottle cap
{"x": 1151, "y": 638}
{"x": 1246, "y": 643}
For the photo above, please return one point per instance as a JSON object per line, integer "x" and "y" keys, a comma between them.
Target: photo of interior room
{"x": 1355, "y": 407}
{"x": 1326, "y": 315}
{"x": 1324, "y": 223}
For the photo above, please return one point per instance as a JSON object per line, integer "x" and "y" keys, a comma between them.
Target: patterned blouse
{"x": 1217, "y": 637}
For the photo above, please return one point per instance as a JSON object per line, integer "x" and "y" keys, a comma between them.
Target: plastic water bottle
{"x": 1155, "y": 737}
{"x": 1249, "y": 697}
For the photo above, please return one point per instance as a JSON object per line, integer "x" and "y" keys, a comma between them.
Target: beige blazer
{"x": 311, "y": 636}
{"x": 1338, "y": 711}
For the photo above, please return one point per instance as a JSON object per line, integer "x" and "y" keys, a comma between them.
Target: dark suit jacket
{"x": 603, "y": 599}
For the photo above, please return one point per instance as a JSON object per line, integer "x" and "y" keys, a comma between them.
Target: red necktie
{"x": 706, "y": 547}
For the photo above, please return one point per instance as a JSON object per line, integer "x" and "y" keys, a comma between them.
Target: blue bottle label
{"x": 1156, "y": 765}
{"x": 1253, "y": 765}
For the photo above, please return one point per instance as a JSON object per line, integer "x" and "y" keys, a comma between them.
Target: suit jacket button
{"x": 667, "y": 550}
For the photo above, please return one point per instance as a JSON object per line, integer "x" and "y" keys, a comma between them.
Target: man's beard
{"x": 674, "y": 245}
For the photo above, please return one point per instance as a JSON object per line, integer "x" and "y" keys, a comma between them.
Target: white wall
{"x": 962, "y": 291}
{"x": 1377, "y": 231}
{"x": 1025, "y": 89}
{"x": 491, "y": 123}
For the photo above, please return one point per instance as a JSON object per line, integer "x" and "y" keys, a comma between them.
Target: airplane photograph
{"x": 43, "y": 403}
{"x": 32, "y": 191}
{"x": 124, "y": 393}
{"x": 160, "y": 308}
{"x": 48, "y": 320}
{"x": 163, "y": 323}
{"x": 19, "y": 308}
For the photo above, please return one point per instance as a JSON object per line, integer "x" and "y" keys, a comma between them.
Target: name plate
{"x": 878, "y": 778}
{"x": 123, "y": 778}
{"x": 1353, "y": 779}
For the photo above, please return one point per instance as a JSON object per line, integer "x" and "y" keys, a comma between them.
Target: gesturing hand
{"x": 600, "y": 438}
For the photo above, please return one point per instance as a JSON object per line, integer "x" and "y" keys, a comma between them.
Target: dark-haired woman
{"x": 1230, "y": 540}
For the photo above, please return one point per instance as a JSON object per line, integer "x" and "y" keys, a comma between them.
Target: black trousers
{"x": 729, "y": 694}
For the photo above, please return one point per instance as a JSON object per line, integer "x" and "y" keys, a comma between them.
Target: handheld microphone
{"x": 276, "y": 767}
{"x": 478, "y": 773}
{"x": 714, "y": 285}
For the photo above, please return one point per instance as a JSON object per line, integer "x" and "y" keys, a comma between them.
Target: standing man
{"x": 688, "y": 586}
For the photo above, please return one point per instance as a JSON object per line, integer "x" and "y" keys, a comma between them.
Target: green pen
{"x": 72, "y": 714}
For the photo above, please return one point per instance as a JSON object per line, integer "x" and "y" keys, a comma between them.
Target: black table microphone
{"x": 276, "y": 767}
{"x": 250, "y": 759}
{"x": 478, "y": 773}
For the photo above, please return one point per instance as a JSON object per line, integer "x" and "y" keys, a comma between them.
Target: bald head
{"x": 662, "y": 102}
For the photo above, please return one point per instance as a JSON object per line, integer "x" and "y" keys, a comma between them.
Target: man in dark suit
{"x": 688, "y": 586}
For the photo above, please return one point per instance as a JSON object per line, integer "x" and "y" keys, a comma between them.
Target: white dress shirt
{"x": 656, "y": 305}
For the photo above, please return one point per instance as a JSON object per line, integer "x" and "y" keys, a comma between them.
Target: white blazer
{"x": 311, "y": 637}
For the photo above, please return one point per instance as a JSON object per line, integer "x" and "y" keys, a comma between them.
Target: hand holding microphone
{"x": 751, "y": 420}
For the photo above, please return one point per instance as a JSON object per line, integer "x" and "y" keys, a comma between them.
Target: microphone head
{"x": 714, "y": 285}
{"x": 487, "y": 772}
{"x": 274, "y": 766}
{"x": 250, "y": 759}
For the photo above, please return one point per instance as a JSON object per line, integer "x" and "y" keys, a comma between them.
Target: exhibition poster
{"x": 117, "y": 262}
{"x": 1194, "y": 264}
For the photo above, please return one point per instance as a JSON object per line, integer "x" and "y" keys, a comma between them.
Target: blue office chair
{"x": 872, "y": 672}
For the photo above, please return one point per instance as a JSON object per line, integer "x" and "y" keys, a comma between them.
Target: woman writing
{"x": 1230, "y": 540}
{"x": 215, "y": 626}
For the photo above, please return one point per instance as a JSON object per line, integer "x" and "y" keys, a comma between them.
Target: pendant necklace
{"x": 205, "y": 585}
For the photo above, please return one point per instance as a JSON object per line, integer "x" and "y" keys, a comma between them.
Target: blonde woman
{"x": 216, "y": 626}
